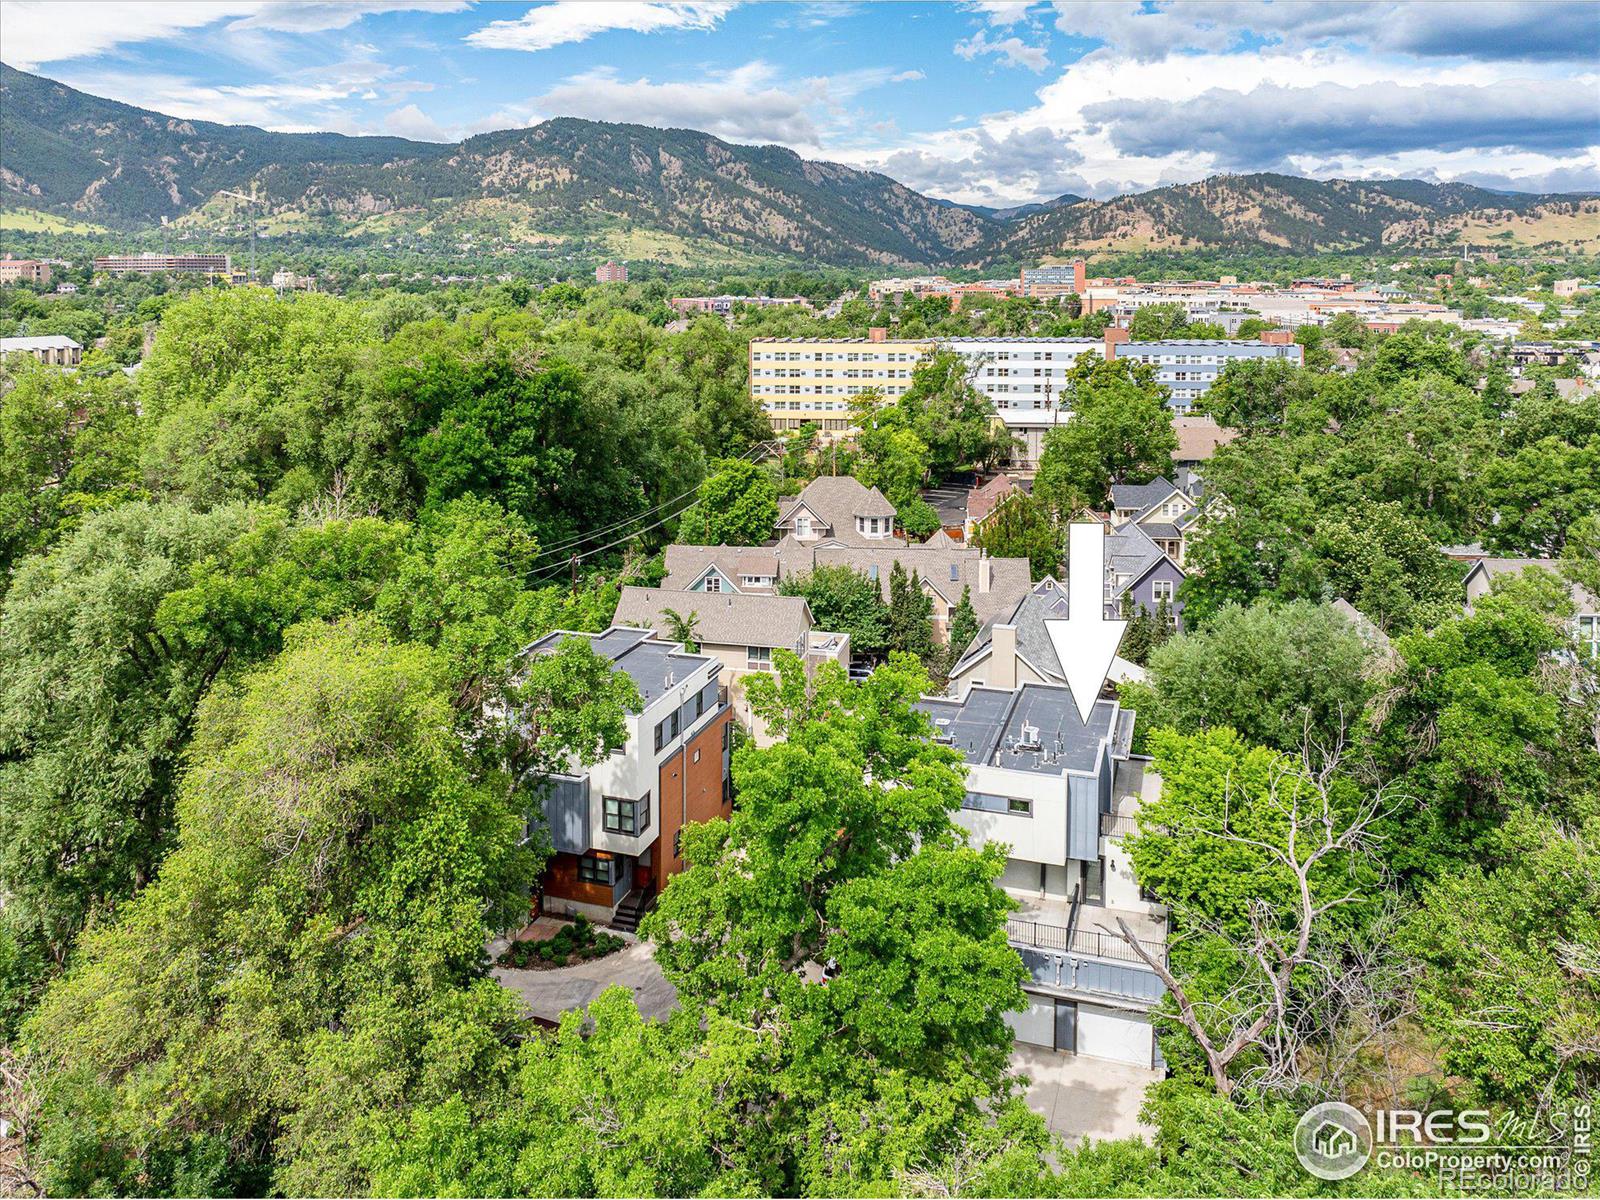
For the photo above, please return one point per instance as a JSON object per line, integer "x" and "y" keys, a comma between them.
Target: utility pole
{"x": 574, "y": 574}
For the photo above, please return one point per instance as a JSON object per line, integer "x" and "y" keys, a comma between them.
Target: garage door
{"x": 1114, "y": 1034}
{"x": 1036, "y": 1024}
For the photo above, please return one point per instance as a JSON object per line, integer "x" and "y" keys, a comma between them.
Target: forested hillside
{"x": 1289, "y": 214}
{"x": 680, "y": 196}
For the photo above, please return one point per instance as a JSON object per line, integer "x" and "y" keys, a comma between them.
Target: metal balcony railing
{"x": 1117, "y": 825}
{"x": 1092, "y": 943}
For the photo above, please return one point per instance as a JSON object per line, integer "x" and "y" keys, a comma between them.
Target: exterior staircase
{"x": 633, "y": 908}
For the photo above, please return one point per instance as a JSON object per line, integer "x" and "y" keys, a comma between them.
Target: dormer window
{"x": 802, "y": 527}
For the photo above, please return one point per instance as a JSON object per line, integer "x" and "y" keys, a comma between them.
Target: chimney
{"x": 877, "y": 334}
{"x": 1114, "y": 338}
{"x": 1080, "y": 276}
{"x": 985, "y": 572}
{"x": 1003, "y": 657}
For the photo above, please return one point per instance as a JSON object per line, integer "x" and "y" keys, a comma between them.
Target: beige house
{"x": 53, "y": 348}
{"x": 741, "y": 631}
{"x": 837, "y": 510}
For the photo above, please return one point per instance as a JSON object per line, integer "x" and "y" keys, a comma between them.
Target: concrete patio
{"x": 1083, "y": 1097}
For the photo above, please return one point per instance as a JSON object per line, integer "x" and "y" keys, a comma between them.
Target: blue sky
{"x": 992, "y": 102}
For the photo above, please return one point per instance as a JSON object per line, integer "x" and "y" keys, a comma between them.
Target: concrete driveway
{"x": 552, "y": 992}
{"x": 1085, "y": 1097}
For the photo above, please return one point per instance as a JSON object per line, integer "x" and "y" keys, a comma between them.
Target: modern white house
{"x": 1061, "y": 795}
{"x": 614, "y": 826}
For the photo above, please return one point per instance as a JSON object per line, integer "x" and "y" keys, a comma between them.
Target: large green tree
{"x": 737, "y": 505}
{"x": 1120, "y": 432}
{"x": 1272, "y": 672}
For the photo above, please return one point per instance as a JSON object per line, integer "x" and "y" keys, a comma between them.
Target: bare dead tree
{"x": 1257, "y": 1012}
{"x": 336, "y": 504}
{"x": 18, "y": 1101}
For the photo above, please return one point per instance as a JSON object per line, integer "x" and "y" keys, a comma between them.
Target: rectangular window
{"x": 758, "y": 658}
{"x": 661, "y": 734}
{"x": 1161, "y": 589}
{"x": 627, "y": 817}
{"x": 592, "y": 869}
{"x": 1589, "y": 635}
{"x": 672, "y": 723}
{"x": 713, "y": 583}
{"x": 1017, "y": 806}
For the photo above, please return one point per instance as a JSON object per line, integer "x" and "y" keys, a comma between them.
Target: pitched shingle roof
{"x": 1140, "y": 496}
{"x": 981, "y": 500}
{"x": 1008, "y": 581}
{"x": 837, "y": 500}
{"x": 747, "y": 619}
{"x": 1046, "y": 601}
{"x": 686, "y": 564}
{"x": 1199, "y": 438}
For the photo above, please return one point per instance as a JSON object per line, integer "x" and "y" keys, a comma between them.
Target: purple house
{"x": 1136, "y": 567}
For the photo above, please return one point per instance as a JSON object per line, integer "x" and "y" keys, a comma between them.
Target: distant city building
{"x": 611, "y": 272}
{"x": 1041, "y": 282}
{"x": 288, "y": 281}
{"x": 54, "y": 348}
{"x": 66, "y": 288}
{"x": 1566, "y": 287}
{"x": 24, "y": 270}
{"x": 161, "y": 264}
{"x": 1188, "y": 368}
{"x": 723, "y": 305}
{"x": 801, "y": 381}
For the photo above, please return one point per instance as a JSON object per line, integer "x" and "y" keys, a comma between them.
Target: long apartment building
{"x": 161, "y": 264}
{"x": 813, "y": 381}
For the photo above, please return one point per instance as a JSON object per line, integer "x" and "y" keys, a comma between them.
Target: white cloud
{"x": 754, "y": 102}
{"x": 411, "y": 122}
{"x": 1442, "y": 29}
{"x": 1001, "y": 13}
{"x": 1003, "y": 157}
{"x": 1013, "y": 51}
{"x": 317, "y": 16}
{"x": 38, "y": 31}
{"x": 566, "y": 21}
{"x": 34, "y": 32}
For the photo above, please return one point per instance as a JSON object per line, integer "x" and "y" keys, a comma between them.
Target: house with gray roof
{"x": 838, "y": 509}
{"x": 945, "y": 570}
{"x": 1060, "y": 793}
{"x": 1016, "y": 649}
{"x": 1164, "y": 510}
{"x": 614, "y": 824}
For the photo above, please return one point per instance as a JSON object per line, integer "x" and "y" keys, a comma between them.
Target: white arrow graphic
{"x": 1086, "y": 641}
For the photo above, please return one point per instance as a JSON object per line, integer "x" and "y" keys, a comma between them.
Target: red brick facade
{"x": 690, "y": 789}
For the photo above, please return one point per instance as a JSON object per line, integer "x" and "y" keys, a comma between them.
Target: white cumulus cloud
{"x": 565, "y": 21}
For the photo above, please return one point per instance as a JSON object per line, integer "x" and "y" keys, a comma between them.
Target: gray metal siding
{"x": 1074, "y": 973}
{"x": 1083, "y": 817}
{"x": 566, "y": 811}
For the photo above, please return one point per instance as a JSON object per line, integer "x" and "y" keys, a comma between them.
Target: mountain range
{"x": 682, "y": 196}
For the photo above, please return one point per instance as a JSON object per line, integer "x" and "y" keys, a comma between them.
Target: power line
{"x": 763, "y": 447}
{"x": 550, "y": 570}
